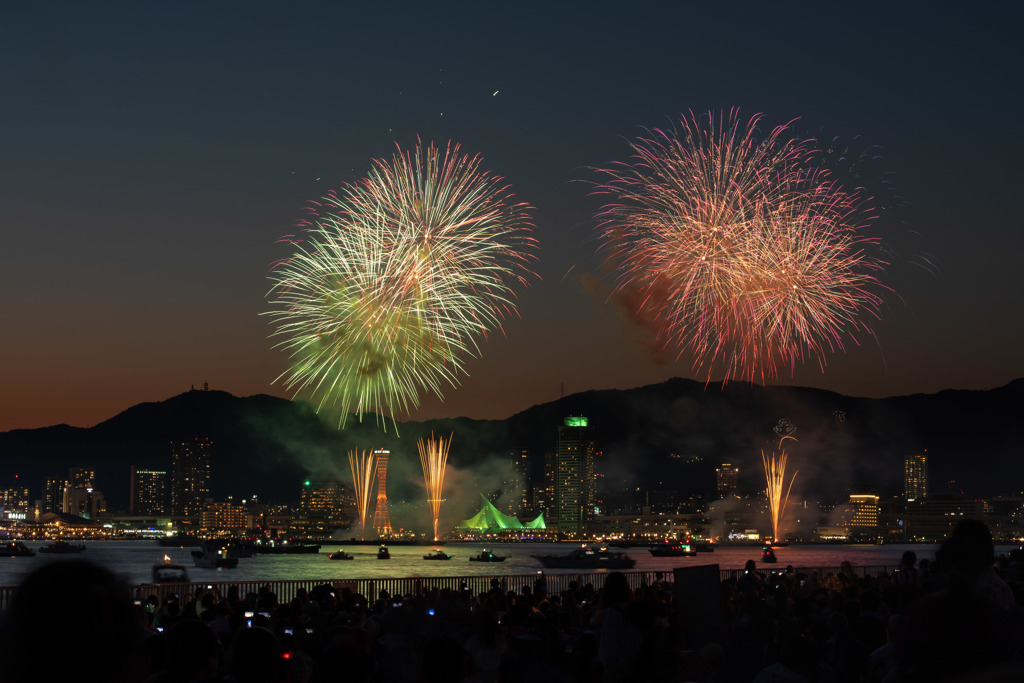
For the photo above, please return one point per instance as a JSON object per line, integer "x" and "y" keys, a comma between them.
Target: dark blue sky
{"x": 152, "y": 154}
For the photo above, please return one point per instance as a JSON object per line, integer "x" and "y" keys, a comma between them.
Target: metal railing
{"x": 286, "y": 590}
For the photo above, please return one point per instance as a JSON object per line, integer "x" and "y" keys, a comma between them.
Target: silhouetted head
{"x": 969, "y": 549}
{"x": 65, "y": 614}
{"x": 616, "y": 589}
{"x": 193, "y": 651}
{"x": 255, "y": 657}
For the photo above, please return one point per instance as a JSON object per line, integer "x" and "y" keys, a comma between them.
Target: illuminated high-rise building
{"x": 148, "y": 492}
{"x": 53, "y": 494}
{"x": 517, "y": 484}
{"x": 575, "y": 480}
{"x": 16, "y": 498}
{"x": 325, "y": 497}
{"x": 223, "y": 517}
{"x": 915, "y": 476}
{"x": 81, "y": 497}
{"x": 82, "y": 477}
{"x": 544, "y": 490}
{"x": 863, "y": 513}
{"x": 381, "y": 518}
{"x": 190, "y": 476}
{"x": 726, "y": 478}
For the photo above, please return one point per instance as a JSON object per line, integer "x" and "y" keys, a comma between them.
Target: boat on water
{"x": 437, "y": 555}
{"x": 169, "y": 572}
{"x": 340, "y": 555}
{"x": 213, "y": 556}
{"x": 383, "y": 553}
{"x": 62, "y": 548}
{"x": 15, "y": 549}
{"x": 240, "y": 549}
{"x": 703, "y": 546}
{"x": 180, "y": 540}
{"x": 587, "y": 557}
{"x": 673, "y": 549}
{"x": 487, "y": 556}
{"x": 768, "y": 554}
{"x": 287, "y": 548}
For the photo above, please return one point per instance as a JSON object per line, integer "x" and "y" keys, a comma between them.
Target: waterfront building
{"x": 381, "y": 516}
{"x": 81, "y": 497}
{"x": 517, "y": 484}
{"x": 915, "y": 476}
{"x": 575, "y": 478}
{"x": 934, "y": 517}
{"x": 323, "y": 497}
{"x": 15, "y": 503}
{"x": 224, "y": 518}
{"x": 661, "y": 501}
{"x": 726, "y": 478}
{"x": 53, "y": 494}
{"x": 82, "y": 477}
{"x": 148, "y": 492}
{"x": 1005, "y": 517}
{"x": 863, "y": 515}
{"x": 324, "y": 506}
{"x": 544, "y": 491}
{"x": 190, "y": 476}
{"x": 648, "y": 528}
{"x": 83, "y": 502}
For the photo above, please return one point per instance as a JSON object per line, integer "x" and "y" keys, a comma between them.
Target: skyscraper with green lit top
{"x": 575, "y": 479}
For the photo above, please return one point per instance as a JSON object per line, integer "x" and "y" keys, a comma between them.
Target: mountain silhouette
{"x": 663, "y": 436}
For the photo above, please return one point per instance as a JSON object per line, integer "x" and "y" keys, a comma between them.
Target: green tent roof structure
{"x": 537, "y": 523}
{"x": 491, "y": 519}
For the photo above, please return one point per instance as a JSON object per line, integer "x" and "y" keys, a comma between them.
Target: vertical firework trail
{"x": 775, "y": 476}
{"x": 363, "y": 469}
{"x": 434, "y": 455}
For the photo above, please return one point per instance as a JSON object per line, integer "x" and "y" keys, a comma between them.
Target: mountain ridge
{"x": 668, "y": 435}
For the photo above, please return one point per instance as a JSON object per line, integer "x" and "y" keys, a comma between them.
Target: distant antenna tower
{"x": 381, "y": 519}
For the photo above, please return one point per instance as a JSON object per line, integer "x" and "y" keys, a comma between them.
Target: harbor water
{"x": 134, "y": 560}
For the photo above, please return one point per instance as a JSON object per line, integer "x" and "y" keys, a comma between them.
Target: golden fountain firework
{"x": 364, "y": 469}
{"x": 434, "y": 455}
{"x": 775, "y": 475}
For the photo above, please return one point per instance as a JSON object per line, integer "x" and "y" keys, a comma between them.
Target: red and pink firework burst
{"x": 741, "y": 247}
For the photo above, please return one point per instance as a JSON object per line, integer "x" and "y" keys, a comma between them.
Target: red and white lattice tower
{"x": 381, "y": 519}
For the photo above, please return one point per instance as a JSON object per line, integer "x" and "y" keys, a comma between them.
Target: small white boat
{"x": 168, "y": 572}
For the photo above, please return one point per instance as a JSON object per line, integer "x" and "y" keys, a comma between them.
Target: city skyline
{"x": 156, "y": 155}
{"x": 652, "y": 436}
{"x": 325, "y": 506}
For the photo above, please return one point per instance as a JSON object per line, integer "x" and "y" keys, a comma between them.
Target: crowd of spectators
{"x": 953, "y": 619}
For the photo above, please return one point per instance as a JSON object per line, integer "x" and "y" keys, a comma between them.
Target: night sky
{"x": 153, "y": 154}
